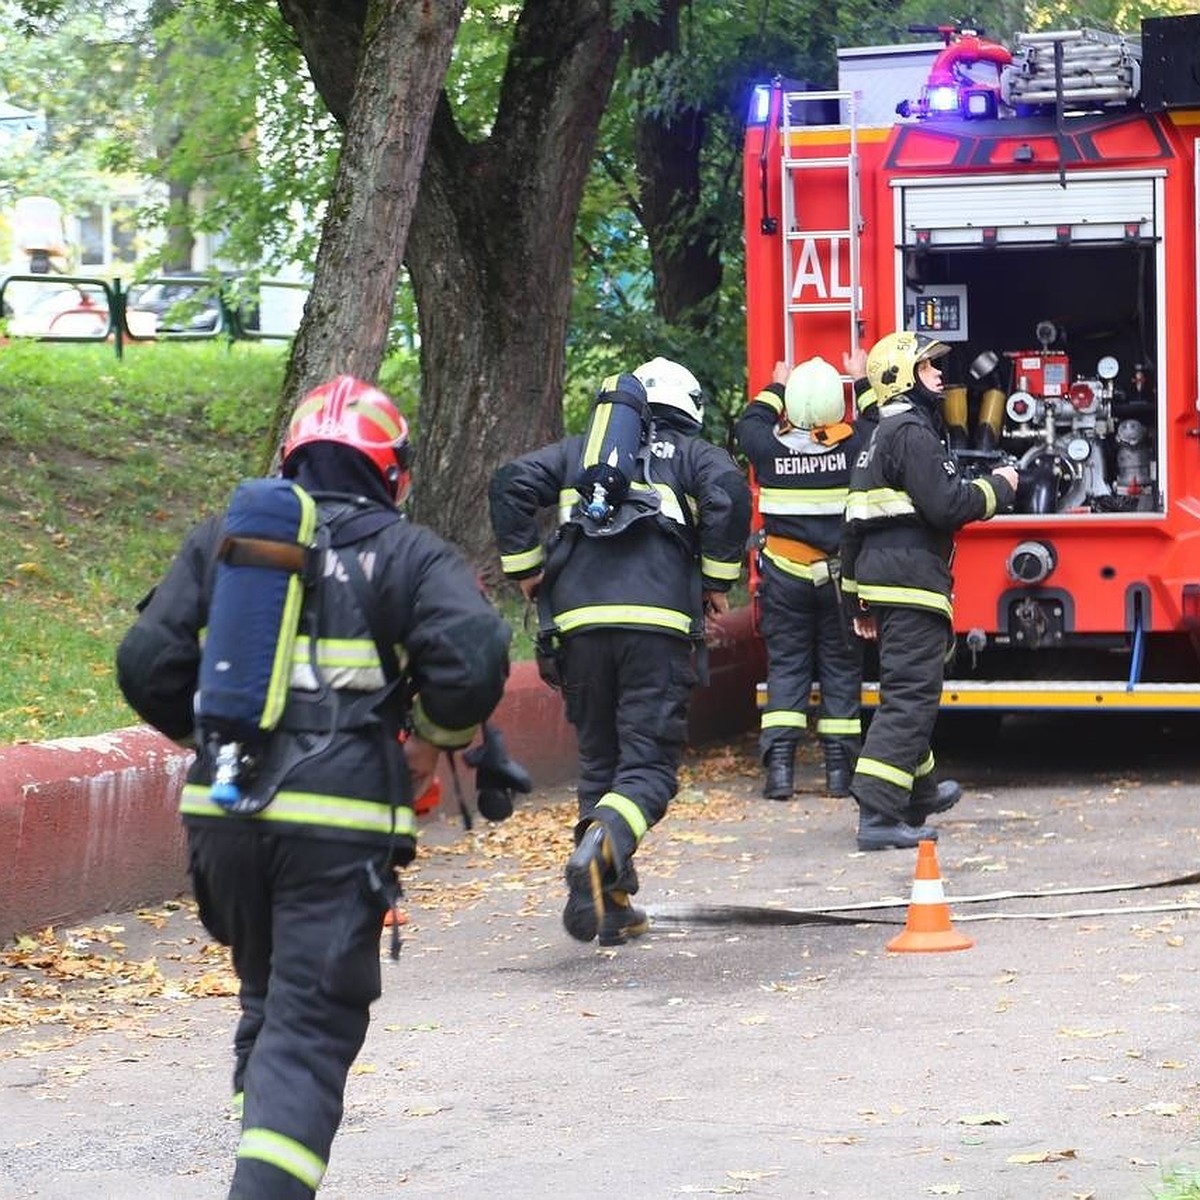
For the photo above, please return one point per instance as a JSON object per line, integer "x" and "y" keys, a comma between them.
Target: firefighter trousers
{"x": 627, "y": 694}
{"x": 303, "y": 920}
{"x": 896, "y": 765}
{"x": 808, "y": 640}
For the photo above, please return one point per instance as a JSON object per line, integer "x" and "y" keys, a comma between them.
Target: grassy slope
{"x": 105, "y": 464}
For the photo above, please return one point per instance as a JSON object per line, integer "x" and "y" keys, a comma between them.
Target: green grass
{"x": 105, "y": 464}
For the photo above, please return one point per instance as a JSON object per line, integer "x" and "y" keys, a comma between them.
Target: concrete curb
{"x": 90, "y": 825}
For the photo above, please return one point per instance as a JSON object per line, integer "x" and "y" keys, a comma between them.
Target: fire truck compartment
{"x": 1052, "y": 350}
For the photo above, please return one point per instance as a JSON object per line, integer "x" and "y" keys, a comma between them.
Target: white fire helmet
{"x": 813, "y": 395}
{"x": 669, "y": 385}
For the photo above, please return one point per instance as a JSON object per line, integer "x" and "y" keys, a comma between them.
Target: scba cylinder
{"x": 617, "y": 429}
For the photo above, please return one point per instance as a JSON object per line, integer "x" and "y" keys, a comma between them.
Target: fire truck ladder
{"x": 795, "y": 233}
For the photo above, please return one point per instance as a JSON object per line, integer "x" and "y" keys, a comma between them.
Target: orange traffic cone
{"x": 928, "y": 926}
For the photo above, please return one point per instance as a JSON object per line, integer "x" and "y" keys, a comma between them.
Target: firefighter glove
{"x": 497, "y": 776}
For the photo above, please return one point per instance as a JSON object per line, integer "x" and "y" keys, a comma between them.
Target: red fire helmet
{"x": 353, "y": 413}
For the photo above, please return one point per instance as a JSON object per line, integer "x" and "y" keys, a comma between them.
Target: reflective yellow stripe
{"x": 817, "y": 572}
{"x": 772, "y": 401}
{"x": 875, "y": 593}
{"x": 339, "y": 652}
{"x": 714, "y": 568}
{"x": 628, "y": 811}
{"x": 878, "y": 502}
{"x": 348, "y": 664}
{"x": 925, "y": 766}
{"x": 567, "y": 499}
{"x": 281, "y": 665}
{"x": 799, "y": 501}
{"x": 308, "y": 808}
{"x": 447, "y": 739}
{"x": 989, "y": 495}
{"x": 668, "y": 502}
{"x": 597, "y": 427}
{"x": 283, "y": 1152}
{"x": 884, "y": 771}
{"x": 511, "y": 564}
{"x": 623, "y": 614}
{"x": 782, "y": 719}
{"x": 832, "y": 726}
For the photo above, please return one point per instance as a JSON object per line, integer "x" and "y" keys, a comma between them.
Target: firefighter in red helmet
{"x": 905, "y": 502}
{"x": 297, "y": 883}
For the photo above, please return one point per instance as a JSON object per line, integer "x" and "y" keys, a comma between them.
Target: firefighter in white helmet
{"x": 906, "y": 500}
{"x": 802, "y": 449}
{"x": 621, "y": 607}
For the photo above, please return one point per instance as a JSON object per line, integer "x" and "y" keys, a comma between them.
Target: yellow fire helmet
{"x": 892, "y": 363}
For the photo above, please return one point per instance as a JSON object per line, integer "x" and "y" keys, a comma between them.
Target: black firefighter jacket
{"x": 451, "y": 643}
{"x": 906, "y": 500}
{"x": 649, "y": 576}
{"x": 802, "y": 477}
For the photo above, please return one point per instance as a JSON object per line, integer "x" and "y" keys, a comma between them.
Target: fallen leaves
{"x": 82, "y": 980}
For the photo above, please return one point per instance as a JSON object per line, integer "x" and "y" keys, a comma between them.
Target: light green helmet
{"x": 813, "y": 395}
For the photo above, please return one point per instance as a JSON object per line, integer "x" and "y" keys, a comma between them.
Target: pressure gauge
{"x": 1078, "y": 449}
{"x": 1107, "y": 367}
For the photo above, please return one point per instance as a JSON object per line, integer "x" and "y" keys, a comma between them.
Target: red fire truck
{"x": 1035, "y": 208}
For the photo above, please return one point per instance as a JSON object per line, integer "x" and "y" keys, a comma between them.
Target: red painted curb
{"x": 89, "y": 825}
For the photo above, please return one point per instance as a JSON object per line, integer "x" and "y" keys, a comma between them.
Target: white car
{"x": 62, "y": 310}
{"x": 66, "y": 310}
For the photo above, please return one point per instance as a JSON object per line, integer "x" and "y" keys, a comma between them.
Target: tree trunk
{"x": 490, "y": 256}
{"x": 684, "y": 242}
{"x": 403, "y": 56}
{"x": 181, "y": 243}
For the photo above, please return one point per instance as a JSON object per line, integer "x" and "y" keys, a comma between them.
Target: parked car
{"x": 170, "y": 306}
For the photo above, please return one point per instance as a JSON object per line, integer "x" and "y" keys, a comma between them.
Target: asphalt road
{"x": 726, "y": 1053}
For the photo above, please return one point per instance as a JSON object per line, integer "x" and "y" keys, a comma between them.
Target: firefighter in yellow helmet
{"x": 906, "y": 500}
{"x": 796, "y": 437}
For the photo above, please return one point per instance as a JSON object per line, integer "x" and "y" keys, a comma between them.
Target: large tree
{"x": 379, "y": 66}
{"x": 489, "y": 248}
{"x": 490, "y": 255}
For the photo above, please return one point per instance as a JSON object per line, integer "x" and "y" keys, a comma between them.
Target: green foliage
{"x": 106, "y": 464}
{"x": 74, "y": 63}
{"x": 209, "y": 98}
{"x": 263, "y": 164}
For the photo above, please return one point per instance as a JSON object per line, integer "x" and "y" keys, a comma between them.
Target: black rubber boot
{"x": 621, "y": 921}
{"x": 948, "y": 794}
{"x": 780, "y": 761}
{"x": 589, "y": 868}
{"x": 839, "y": 769}
{"x": 877, "y": 832}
